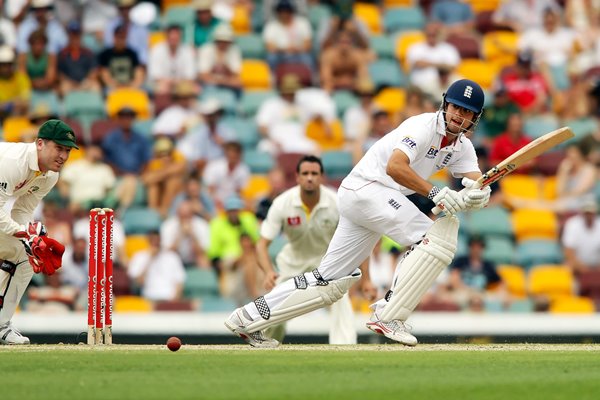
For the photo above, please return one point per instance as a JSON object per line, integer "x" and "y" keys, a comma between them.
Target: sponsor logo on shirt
{"x": 294, "y": 221}
{"x": 410, "y": 142}
{"x": 3, "y": 186}
{"x": 432, "y": 152}
{"x": 394, "y": 204}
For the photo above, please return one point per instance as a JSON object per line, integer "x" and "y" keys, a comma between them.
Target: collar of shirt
{"x": 32, "y": 158}
{"x": 323, "y": 200}
{"x": 440, "y": 128}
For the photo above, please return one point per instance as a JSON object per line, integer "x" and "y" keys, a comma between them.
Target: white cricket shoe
{"x": 395, "y": 330}
{"x": 10, "y": 335}
{"x": 236, "y": 323}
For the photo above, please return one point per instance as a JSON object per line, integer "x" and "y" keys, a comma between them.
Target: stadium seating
{"x": 258, "y": 186}
{"x": 572, "y": 305}
{"x": 466, "y": 44}
{"x": 521, "y": 186}
{"x": 48, "y": 100}
{"x": 136, "y": 99}
{"x": 534, "y": 252}
{"x": 547, "y": 164}
{"x": 403, "y": 19}
{"x": 383, "y": 46}
{"x": 483, "y": 5}
{"x": 217, "y": 304}
{"x": 589, "y": 285}
{"x": 135, "y": 244}
{"x": 317, "y": 13}
{"x": 539, "y": 125}
{"x": 302, "y": 71}
{"x": 241, "y": 21}
{"x": 534, "y": 224}
{"x": 144, "y": 127}
{"x": 490, "y": 221}
{"x": 551, "y": 280}
{"x": 255, "y": 75}
{"x": 514, "y": 278}
{"x": 140, "y": 221}
{"x": 226, "y": 98}
{"x": 386, "y": 73}
{"x": 403, "y": 42}
{"x": 370, "y": 16}
{"x": 343, "y": 100}
{"x": 329, "y": 136}
{"x": 200, "y": 283}
{"x": 258, "y": 161}
{"x": 276, "y": 246}
{"x": 337, "y": 164}
{"x": 132, "y": 304}
{"x": 101, "y": 128}
{"x": 500, "y": 47}
{"x": 84, "y": 105}
{"x": 245, "y": 130}
{"x": 251, "y": 46}
{"x": 13, "y": 127}
{"x": 391, "y": 100}
{"x": 499, "y": 249}
{"x": 481, "y": 71}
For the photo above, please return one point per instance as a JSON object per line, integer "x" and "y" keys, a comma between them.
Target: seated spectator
{"x": 225, "y": 233}
{"x": 277, "y": 185}
{"x": 343, "y": 65}
{"x": 120, "y": 65}
{"x": 250, "y": 277}
{"x": 268, "y": 8}
{"x": 38, "y": 64}
{"x": 432, "y": 63}
{"x": 510, "y": 141}
{"x": 56, "y": 225}
{"x": 343, "y": 20}
{"x": 77, "y": 67}
{"x": 357, "y": 118}
{"x": 41, "y": 16}
{"x": 163, "y": 175}
{"x": 381, "y": 125}
{"x": 581, "y": 239}
{"x": 74, "y": 270}
{"x": 495, "y": 118}
{"x": 127, "y": 152}
{"x": 590, "y": 145}
{"x": 157, "y": 271}
{"x": 472, "y": 275}
{"x": 187, "y": 235}
{"x": 193, "y": 192}
{"x": 220, "y": 61}
{"x": 88, "y": 180}
{"x": 227, "y": 176}
{"x": 96, "y": 15}
{"x": 416, "y": 103}
{"x": 457, "y": 16}
{"x": 15, "y": 87}
{"x": 518, "y": 14}
{"x": 526, "y": 87}
{"x": 181, "y": 116}
{"x": 205, "y": 22}
{"x": 205, "y": 141}
{"x": 288, "y": 37}
{"x": 171, "y": 63}
{"x": 8, "y": 32}
{"x": 136, "y": 35}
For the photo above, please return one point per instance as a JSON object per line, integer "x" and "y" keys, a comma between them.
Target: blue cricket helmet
{"x": 466, "y": 93}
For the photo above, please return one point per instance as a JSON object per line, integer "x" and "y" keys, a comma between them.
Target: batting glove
{"x": 475, "y": 197}
{"x": 447, "y": 199}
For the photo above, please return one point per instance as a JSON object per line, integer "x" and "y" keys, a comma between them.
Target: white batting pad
{"x": 421, "y": 267}
{"x": 308, "y": 296}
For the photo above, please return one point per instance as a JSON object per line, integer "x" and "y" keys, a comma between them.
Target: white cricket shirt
{"x": 20, "y": 178}
{"x": 308, "y": 235}
{"x": 419, "y": 137}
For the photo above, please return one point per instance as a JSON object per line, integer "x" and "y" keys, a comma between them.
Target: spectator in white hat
{"x": 220, "y": 61}
{"x": 41, "y": 16}
{"x": 205, "y": 22}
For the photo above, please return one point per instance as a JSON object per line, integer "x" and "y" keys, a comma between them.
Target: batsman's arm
{"x": 398, "y": 168}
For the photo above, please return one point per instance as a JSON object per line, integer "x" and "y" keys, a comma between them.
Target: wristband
{"x": 433, "y": 192}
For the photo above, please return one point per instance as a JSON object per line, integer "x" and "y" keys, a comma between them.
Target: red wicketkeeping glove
{"x": 49, "y": 254}
{"x": 30, "y": 236}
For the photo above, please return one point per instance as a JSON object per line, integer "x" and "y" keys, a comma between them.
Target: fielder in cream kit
{"x": 28, "y": 171}
{"x": 307, "y": 214}
{"x": 372, "y": 202}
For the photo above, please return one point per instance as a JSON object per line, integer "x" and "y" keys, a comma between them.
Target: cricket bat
{"x": 520, "y": 157}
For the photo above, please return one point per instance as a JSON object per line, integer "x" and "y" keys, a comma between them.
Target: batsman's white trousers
{"x": 366, "y": 213}
{"x": 11, "y": 249}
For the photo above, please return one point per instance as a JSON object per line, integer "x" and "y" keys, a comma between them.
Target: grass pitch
{"x": 301, "y": 372}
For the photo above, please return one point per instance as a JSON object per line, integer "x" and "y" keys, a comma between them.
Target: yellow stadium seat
{"x": 440, "y": 176}
{"x": 520, "y": 186}
{"x": 328, "y": 137}
{"x": 551, "y": 280}
{"x": 403, "y": 43}
{"x": 255, "y": 75}
{"x": 13, "y": 127}
{"x": 257, "y": 187}
{"x": 398, "y": 3}
{"x": 132, "y": 304}
{"x": 369, "y": 14}
{"x": 240, "y": 23}
{"x": 483, "y": 5}
{"x": 500, "y": 47}
{"x": 572, "y": 305}
{"x": 156, "y": 38}
{"x": 128, "y": 97}
{"x": 549, "y": 188}
{"x": 513, "y": 277}
{"x": 391, "y": 100}
{"x": 166, "y": 4}
{"x": 480, "y": 71}
{"x": 76, "y": 154}
{"x": 534, "y": 224}
{"x": 134, "y": 244}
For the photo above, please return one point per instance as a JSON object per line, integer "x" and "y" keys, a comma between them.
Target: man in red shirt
{"x": 510, "y": 141}
{"x": 525, "y": 86}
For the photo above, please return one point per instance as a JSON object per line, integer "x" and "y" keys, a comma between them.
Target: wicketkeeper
{"x": 372, "y": 202}
{"x": 28, "y": 171}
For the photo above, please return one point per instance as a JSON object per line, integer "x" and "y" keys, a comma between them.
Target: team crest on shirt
{"x": 33, "y": 189}
{"x": 432, "y": 152}
{"x": 410, "y": 142}
{"x": 294, "y": 221}
{"x": 445, "y": 161}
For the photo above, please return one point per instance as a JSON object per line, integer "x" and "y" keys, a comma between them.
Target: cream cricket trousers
{"x": 11, "y": 249}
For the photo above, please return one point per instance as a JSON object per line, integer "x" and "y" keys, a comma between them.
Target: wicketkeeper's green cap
{"x": 58, "y": 132}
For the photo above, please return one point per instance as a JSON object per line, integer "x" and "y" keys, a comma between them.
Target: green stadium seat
{"x": 386, "y": 73}
{"x": 581, "y": 127}
{"x": 225, "y": 96}
{"x": 344, "y": 99}
{"x": 200, "y": 283}
{"x": 403, "y": 19}
{"x": 383, "y": 46}
{"x": 490, "y": 221}
{"x": 258, "y": 161}
{"x": 144, "y": 127}
{"x": 141, "y": 220}
{"x": 535, "y": 252}
{"x": 462, "y": 247}
{"x": 318, "y": 13}
{"x": 521, "y": 306}
{"x": 539, "y": 125}
{"x": 245, "y": 130}
{"x": 217, "y": 304}
{"x": 84, "y": 103}
{"x": 560, "y": 77}
{"x": 597, "y": 192}
{"x": 337, "y": 164}
{"x": 90, "y": 41}
{"x": 251, "y": 46}
{"x": 183, "y": 16}
{"x": 251, "y": 101}
{"x": 140, "y": 199}
{"x": 48, "y": 100}
{"x": 500, "y": 250}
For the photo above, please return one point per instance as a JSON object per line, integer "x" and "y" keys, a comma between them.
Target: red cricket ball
{"x": 174, "y": 343}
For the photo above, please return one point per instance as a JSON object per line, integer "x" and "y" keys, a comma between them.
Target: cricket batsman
{"x": 372, "y": 202}
{"x": 28, "y": 171}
